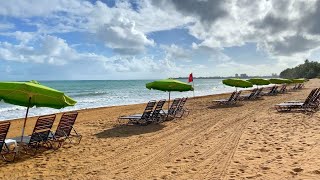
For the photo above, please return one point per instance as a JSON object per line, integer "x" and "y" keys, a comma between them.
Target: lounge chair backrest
{"x": 158, "y": 109}
{"x": 310, "y": 96}
{"x": 258, "y": 92}
{"x": 315, "y": 96}
{"x": 252, "y": 94}
{"x": 4, "y": 128}
{"x": 66, "y": 123}
{"x": 148, "y": 110}
{"x": 173, "y": 107}
{"x": 42, "y": 128}
{"x": 283, "y": 88}
{"x": 271, "y": 90}
{"x": 316, "y": 101}
{"x": 182, "y": 103}
{"x": 236, "y": 96}
{"x": 231, "y": 98}
{"x": 275, "y": 90}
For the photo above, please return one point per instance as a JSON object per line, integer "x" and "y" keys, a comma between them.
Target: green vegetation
{"x": 309, "y": 70}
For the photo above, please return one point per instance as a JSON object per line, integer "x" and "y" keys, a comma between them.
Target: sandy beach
{"x": 248, "y": 141}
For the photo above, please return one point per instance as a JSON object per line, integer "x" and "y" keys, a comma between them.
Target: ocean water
{"x": 100, "y": 93}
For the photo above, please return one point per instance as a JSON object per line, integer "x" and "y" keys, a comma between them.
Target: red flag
{"x": 190, "y": 78}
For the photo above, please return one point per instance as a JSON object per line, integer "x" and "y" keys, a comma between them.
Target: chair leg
{"x": 7, "y": 154}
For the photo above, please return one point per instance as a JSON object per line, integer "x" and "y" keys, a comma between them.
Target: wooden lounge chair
{"x": 226, "y": 101}
{"x": 39, "y": 136}
{"x": 257, "y": 94}
{"x": 283, "y": 89}
{"x": 141, "y": 119}
{"x": 156, "y": 115}
{"x": 65, "y": 127}
{"x": 6, "y": 152}
{"x": 232, "y": 100}
{"x": 294, "y": 105}
{"x": 171, "y": 112}
{"x": 271, "y": 92}
{"x": 300, "y": 86}
{"x": 311, "y": 97}
{"x": 248, "y": 96}
{"x": 181, "y": 109}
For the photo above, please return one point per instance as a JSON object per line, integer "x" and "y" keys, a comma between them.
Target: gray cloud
{"x": 207, "y": 10}
{"x": 290, "y": 45}
{"x": 310, "y": 22}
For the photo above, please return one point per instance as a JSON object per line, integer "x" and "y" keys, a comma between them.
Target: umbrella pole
{"x": 25, "y": 120}
{"x": 169, "y": 101}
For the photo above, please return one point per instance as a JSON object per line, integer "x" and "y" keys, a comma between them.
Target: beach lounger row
{"x": 41, "y": 136}
{"x": 254, "y": 94}
{"x": 154, "y": 112}
{"x": 298, "y": 86}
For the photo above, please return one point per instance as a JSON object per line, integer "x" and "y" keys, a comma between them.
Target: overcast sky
{"x": 73, "y": 39}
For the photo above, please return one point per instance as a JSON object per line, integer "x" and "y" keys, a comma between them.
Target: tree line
{"x": 309, "y": 70}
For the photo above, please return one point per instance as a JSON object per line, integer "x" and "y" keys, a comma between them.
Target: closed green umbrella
{"x": 169, "y": 85}
{"x": 234, "y": 82}
{"x": 280, "y": 81}
{"x": 31, "y": 94}
{"x": 259, "y": 81}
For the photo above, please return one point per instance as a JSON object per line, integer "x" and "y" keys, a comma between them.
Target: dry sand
{"x": 247, "y": 141}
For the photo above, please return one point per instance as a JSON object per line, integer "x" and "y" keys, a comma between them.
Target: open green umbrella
{"x": 31, "y": 94}
{"x": 234, "y": 82}
{"x": 301, "y": 80}
{"x": 259, "y": 81}
{"x": 169, "y": 85}
{"x": 280, "y": 81}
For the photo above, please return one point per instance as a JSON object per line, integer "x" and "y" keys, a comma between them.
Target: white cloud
{"x": 6, "y": 26}
{"x": 276, "y": 25}
{"x": 175, "y": 52}
{"x": 44, "y": 49}
{"x": 285, "y": 30}
{"x": 121, "y": 35}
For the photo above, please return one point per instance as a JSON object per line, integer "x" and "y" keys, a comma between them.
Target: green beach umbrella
{"x": 301, "y": 80}
{"x": 280, "y": 81}
{"x": 169, "y": 85}
{"x": 259, "y": 81}
{"x": 234, "y": 82}
{"x": 32, "y": 93}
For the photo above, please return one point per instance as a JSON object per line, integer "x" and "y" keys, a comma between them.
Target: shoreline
{"x": 103, "y": 107}
{"x": 247, "y": 140}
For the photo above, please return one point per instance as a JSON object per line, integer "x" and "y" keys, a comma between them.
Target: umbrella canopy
{"x": 18, "y": 93}
{"x": 31, "y": 94}
{"x": 280, "y": 81}
{"x": 259, "y": 81}
{"x": 301, "y": 80}
{"x": 169, "y": 85}
{"x": 237, "y": 83}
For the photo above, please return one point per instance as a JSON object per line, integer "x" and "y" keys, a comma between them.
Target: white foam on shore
{"x": 101, "y": 96}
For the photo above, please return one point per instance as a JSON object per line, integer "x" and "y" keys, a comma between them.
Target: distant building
{"x": 274, "y": 75}
{"x": 243, "y": 76}
{"x": 237, "y": 75}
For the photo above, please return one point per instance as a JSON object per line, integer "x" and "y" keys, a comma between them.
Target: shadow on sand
{"x": 225, "y": 106}
{"x": 128, "y": 130}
